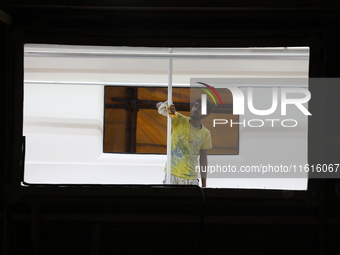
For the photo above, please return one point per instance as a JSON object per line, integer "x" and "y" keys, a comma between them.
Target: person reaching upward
{"x": 190, "y": 142}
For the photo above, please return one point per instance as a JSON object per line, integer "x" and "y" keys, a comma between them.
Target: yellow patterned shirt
{"x": 187, "y": 141}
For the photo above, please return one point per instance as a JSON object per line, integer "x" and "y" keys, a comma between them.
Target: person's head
{"x": 196, "y": 112}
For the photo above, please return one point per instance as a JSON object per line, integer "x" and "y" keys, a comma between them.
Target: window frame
{"x": 131, "y": 137}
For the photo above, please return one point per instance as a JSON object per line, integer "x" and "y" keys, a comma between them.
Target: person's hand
{"x": 172, "y": 111}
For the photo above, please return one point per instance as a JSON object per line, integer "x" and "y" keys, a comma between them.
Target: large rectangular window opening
{"x": 64, "y": 109}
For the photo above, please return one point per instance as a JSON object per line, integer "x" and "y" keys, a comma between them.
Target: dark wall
{"x": 166, "y": 220}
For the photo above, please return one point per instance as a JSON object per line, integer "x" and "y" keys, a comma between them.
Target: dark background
{"x": 47, "y": 219}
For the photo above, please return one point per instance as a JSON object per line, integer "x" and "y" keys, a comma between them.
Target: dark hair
{"x": 209, "y": 105}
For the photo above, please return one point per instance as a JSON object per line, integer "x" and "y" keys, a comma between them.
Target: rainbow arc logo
{"x": 210, "y": 91}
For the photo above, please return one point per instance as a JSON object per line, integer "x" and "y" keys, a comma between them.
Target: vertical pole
{"x": 168, "y": 151}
